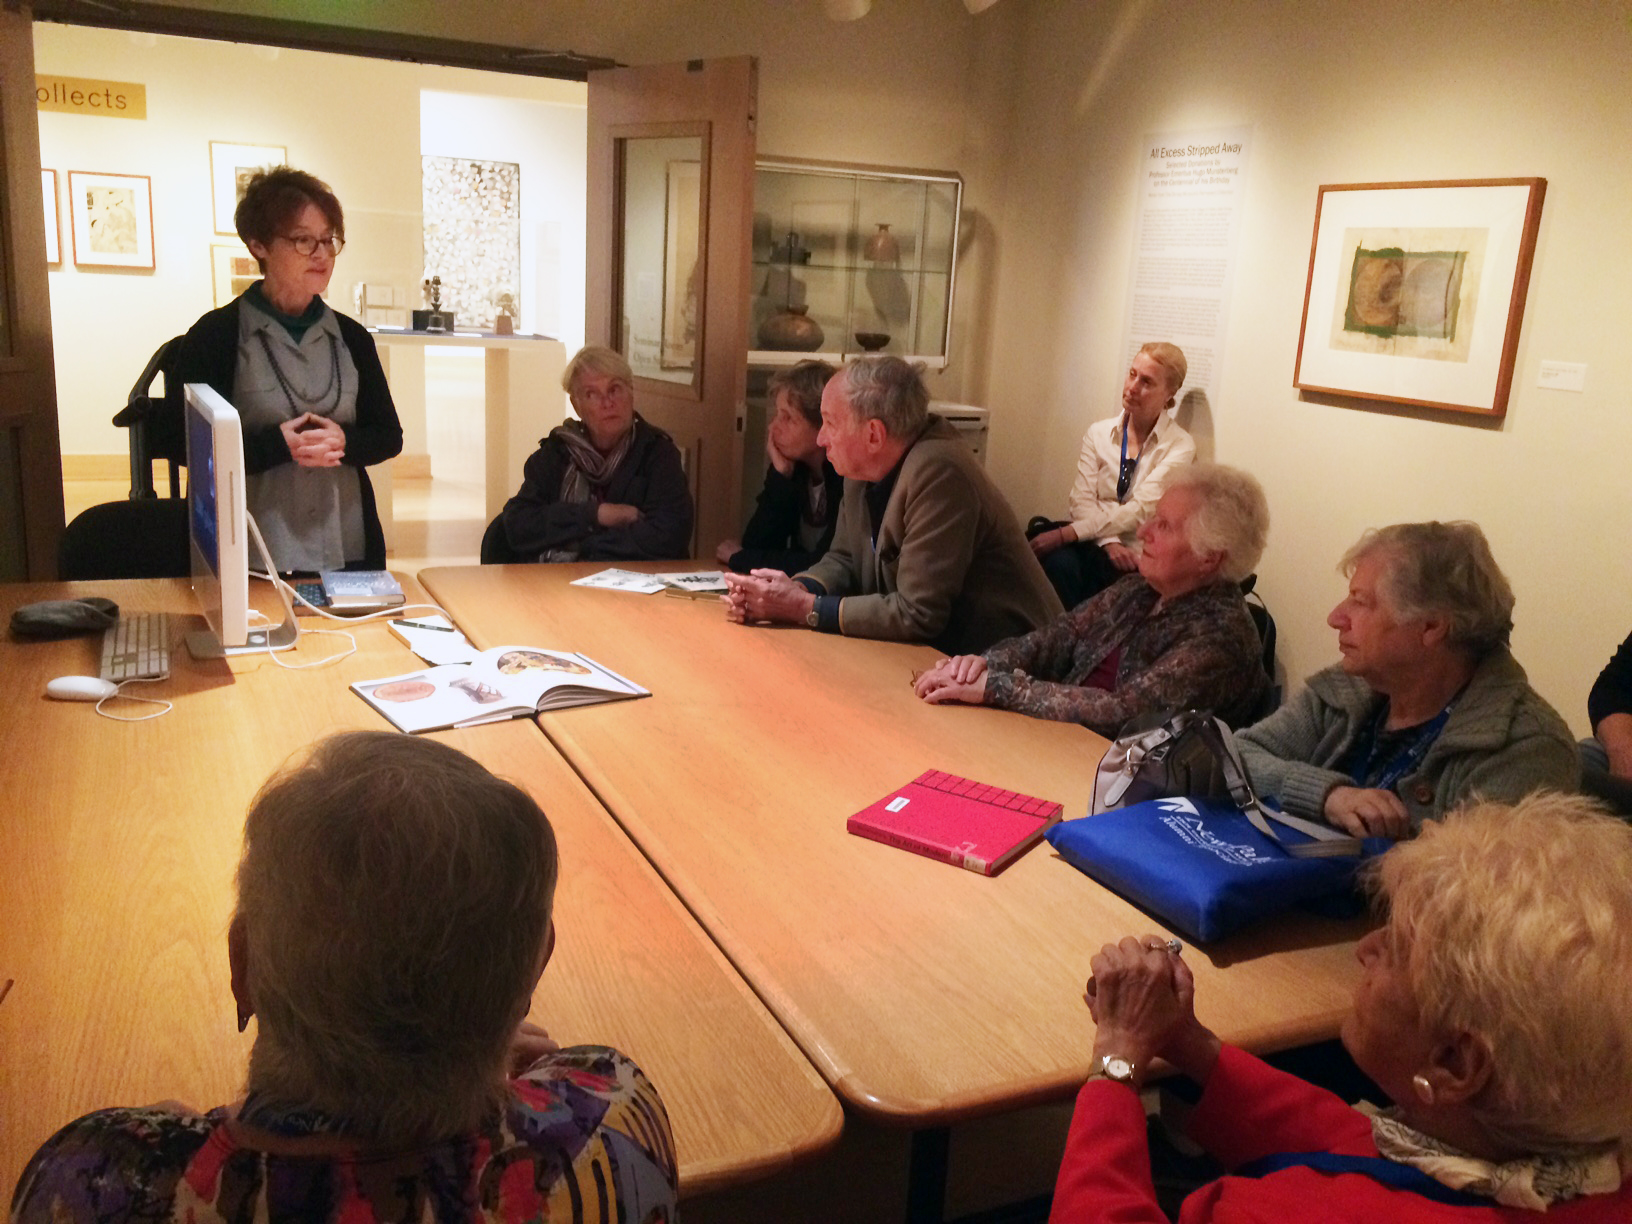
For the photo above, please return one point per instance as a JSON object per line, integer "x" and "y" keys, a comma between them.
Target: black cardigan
{"x": 771, "y": 538}
{"x": 209, "y": 354}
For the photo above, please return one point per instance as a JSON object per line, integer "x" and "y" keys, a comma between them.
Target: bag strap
{"x": 1325, "y": 842}
{"x": 1388, "y": 1172}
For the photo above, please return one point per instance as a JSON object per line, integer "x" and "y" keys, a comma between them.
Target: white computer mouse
{"x": 80, "y": 688}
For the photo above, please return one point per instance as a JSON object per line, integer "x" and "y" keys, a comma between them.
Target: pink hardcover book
{"x": 967, "y": 824}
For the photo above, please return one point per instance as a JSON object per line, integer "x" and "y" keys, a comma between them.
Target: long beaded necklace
{"x": 288, "y": 391}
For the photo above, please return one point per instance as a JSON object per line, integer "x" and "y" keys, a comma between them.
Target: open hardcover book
{"x": 505, "y": 682}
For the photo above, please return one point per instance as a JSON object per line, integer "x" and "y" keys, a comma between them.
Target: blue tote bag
{"x": 1204, "y": 866}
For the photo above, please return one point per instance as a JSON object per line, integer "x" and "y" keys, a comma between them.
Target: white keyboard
{"x": 137, "y": 648}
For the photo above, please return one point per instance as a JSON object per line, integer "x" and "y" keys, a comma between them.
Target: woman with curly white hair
{"x": 1428, "y": 707}
{"x": 1494, "y": 1008}
{"x": 1174, "y": 635}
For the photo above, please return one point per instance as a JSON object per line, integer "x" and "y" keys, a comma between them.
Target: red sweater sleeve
{"x": 1105, "y": 1174}
{"x": 1250, "y": 1110}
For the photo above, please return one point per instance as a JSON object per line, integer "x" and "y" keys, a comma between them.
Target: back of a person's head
{"x": 1517, "y": 920}
{"x": 394, "y": 897}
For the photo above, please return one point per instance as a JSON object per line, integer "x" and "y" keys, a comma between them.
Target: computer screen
{"x": 216, "y": 515}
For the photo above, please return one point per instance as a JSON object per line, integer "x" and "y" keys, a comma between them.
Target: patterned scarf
{"x": 1533, "y": 1183}
{"x": 588, "y": 471}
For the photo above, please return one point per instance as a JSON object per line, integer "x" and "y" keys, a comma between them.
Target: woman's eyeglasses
{"x": 307, "y": 245}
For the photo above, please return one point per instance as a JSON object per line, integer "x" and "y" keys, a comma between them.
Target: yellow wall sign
{"x": 80, "y": 96}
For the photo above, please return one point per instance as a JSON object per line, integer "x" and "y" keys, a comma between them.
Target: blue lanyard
{"x": 1382, "y": 776}
{"x": 1124, "y": 473}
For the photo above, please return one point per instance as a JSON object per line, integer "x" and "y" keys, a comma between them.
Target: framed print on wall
{"x": 234, "y": 270}
{"x": 1416, "y": 291}
{"x": 112, "y": 216}
{"x": 231, "y": 166}
{"x": 53, "y": 216}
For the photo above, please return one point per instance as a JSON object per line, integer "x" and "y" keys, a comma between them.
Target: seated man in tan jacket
{"x": 926, "y": 549}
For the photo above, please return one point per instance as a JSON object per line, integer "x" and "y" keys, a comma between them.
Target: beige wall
{"x": 1335, "y": 93}
{"x": 351, "y": 121}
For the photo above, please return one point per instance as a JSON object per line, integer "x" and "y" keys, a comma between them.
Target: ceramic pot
{"x": 791, "y": 331}
{"x": 882, "y": 247}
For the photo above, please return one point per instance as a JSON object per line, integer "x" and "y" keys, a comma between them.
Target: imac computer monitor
{"x": 215, "y": 514}
{"x": 220, "y": 531}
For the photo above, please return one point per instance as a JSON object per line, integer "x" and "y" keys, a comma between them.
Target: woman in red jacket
{"x": 1495, "y": 1009}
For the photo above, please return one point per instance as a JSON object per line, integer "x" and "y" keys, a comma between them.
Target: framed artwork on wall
{"x": 112, "y": 216}
{"x": 1416, "y": 291}
{"x": 230, "y": 168}
{"x": 53, "y": 217}
{"x": 234, "y": 270}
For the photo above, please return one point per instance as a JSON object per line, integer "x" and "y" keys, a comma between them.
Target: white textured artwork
{"x": 473, "y": 235}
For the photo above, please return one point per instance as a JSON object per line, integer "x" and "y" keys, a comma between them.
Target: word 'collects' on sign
{"x": 79, "y": 96}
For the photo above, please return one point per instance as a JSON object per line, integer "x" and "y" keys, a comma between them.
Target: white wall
{"x": 353, "y": 122}
{"x": 1342, "y": 93}
{"x": 548, "y": 140}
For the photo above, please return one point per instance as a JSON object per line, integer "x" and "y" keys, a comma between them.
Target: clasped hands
{"x": 1142, "y": 997}
{"x": 958, "y": 678}
{"x": 765, "y": 595}
{"x": 314, "y": 441}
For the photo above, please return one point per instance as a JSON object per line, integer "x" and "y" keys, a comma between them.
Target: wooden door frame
{"x": 28, "y": 407}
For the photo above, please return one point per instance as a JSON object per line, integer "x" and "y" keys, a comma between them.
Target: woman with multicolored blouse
{"x": 394, "y": 917}
{"x": 1175, "y": 635}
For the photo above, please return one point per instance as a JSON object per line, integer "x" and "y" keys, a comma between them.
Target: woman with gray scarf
{"x": 307, "y": 382}
{"x": 605, "y": 487}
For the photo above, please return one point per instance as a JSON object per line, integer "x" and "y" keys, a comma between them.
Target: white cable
{"x": 326, "y": 659}
{"x": 168, "y": 705}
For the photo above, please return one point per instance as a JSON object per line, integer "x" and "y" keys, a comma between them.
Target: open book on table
{"x": 504, "y": 682}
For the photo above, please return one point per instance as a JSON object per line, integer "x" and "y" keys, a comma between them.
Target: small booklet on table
{"x": 967, "y": 824}
{"x": 505, "y": 682}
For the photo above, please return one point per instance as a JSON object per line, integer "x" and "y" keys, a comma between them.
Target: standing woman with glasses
{"x": 307, "y": 382}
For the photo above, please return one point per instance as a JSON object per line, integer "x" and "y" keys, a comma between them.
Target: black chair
{"x": 1265, "y": 624}
{"x": 496, "y": 548}
{"x": 144, "y": 538}
{"x": 155, "y": 423}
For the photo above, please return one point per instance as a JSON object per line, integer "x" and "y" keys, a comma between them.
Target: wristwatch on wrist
{"x": 813, "y": 618}
{"x": 1115, "y": 1067}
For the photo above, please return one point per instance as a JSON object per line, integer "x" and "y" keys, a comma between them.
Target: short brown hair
{"x": 803, "y": 383}
{"x": 394, "y": 898}
{"x": 272, "y": 199}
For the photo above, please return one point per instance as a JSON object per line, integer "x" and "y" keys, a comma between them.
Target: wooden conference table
{"x": 923, "y": 993}
{"x": 119, "y": 842}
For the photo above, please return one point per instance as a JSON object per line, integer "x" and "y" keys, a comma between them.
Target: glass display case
{"x": 851, "y": 259}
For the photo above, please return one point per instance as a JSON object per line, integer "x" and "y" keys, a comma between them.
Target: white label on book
{"x": 896, "y": 804}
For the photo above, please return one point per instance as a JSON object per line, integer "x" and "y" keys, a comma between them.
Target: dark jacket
{"x": 771, "y": 538}
{"x": 209, "y": 354}
{"x": 951, "y": 567}
{"x": 650, "y": 478}
{"x": 1612, "y": 694}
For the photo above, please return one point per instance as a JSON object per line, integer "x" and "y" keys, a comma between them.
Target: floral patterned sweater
{"x": 584, "y": 1138}
{"x": 1200, "y": 650}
